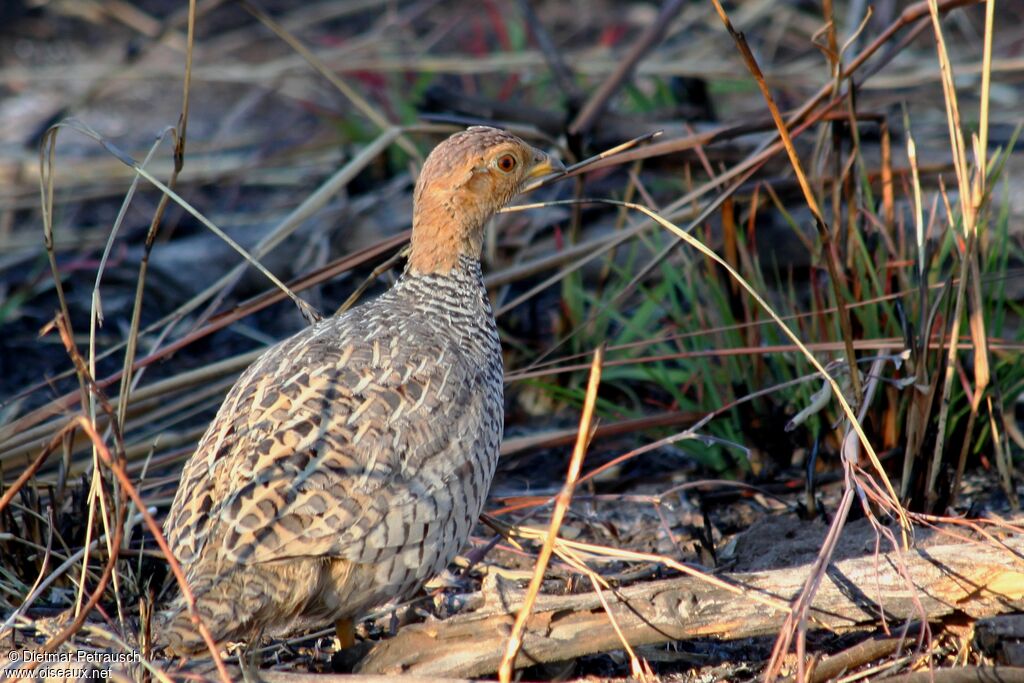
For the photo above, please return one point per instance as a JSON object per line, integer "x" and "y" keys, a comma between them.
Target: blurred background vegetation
{"x": 305, "y": 127}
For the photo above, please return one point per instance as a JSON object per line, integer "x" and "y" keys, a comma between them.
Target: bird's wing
{"x": 337, "y": 447}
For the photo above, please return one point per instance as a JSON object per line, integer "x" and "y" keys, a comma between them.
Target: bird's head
{"x": 464, "y": 181}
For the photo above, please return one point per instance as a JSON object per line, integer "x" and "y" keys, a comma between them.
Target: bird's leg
{"x": 249, "y": 659}
{"x": 346, "y": 633}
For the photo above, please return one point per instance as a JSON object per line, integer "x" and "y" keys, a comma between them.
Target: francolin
{"x": 349, "y": 463}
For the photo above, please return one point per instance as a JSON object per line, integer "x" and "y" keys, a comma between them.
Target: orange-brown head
{"x": 464, "y": 181}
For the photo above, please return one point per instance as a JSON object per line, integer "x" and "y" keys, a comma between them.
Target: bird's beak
{"x": 545, "y": 165}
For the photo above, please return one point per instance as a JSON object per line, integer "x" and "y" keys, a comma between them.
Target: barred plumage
{"x": 349, "y": 463}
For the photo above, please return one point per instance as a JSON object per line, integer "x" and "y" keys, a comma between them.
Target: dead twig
{"x": 559, "y": 69}
{"x": 561, "y": 505}
{"x": 831, "y": 257}
{"x": 651, "y": 36}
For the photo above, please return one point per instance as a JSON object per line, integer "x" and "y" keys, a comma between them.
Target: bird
{"x": 349, "y": 463}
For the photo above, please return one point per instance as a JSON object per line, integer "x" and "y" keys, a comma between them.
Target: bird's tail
{"x": 221, "y": 609}
{"x": 176, "y": 631}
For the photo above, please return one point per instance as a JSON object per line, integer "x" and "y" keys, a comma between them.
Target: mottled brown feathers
{"x": 349, "y": 463}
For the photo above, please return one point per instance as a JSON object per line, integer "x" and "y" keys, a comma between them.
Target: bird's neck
{"x": 465, "y": 269}
{"x": 443, "y": 231}
{"x": 461, "y": 286}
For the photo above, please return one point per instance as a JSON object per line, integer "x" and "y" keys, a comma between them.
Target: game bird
{"x": 348, "y": 464}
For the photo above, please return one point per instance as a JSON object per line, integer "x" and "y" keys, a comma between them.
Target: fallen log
{"x": 979, "y": 579}
{"x": 967, "y": 674}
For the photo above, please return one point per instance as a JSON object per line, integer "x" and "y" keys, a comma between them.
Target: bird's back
{"x": 347, "y": 465}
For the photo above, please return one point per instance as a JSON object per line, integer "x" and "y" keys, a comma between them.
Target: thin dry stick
{"x": 30, "y": 471}
{"x": 117, "y": 466}
{"x": 586, "y": 164}
{"x": 47, "y": 170}
{"x": 114, "y": 544}
{"x": 796, "y": 620}
{"x": 515, "y": 640}
{"x": 118, "y": 469}
{"x": 559, "y": 69}
{"x": 118, "y": 423}
{"x": 986, "y": 86}
{"x": 371, "y": 278}
{"x": 969, "y": 201}
{"x": 1004, "y": 466}
{"x": 828, "y": 247}
{"x": 95, "y": 489}
{"x": 651, "y": 36}
{"x": 982, "y": 373}
{"x": 640, "y": 670}
{"x": 96, "y": 311}
{"x": 304, "y": 307}
{"x": 562, "y": 544}
{"x": 154, "y": 226}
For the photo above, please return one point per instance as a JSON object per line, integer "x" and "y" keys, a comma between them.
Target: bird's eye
{"x": 506, "y": 163}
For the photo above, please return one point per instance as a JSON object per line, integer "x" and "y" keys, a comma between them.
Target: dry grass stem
{"x": 561, "y": 505}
